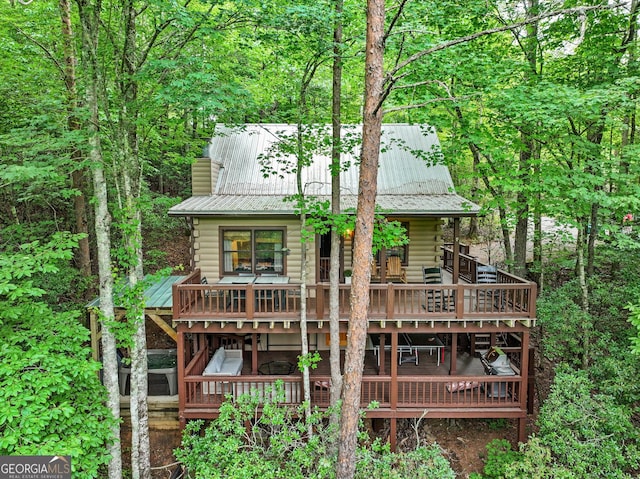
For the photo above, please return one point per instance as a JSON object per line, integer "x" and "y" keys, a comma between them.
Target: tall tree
{"x": 73, "y": 122}
{"x": 89, "y": 13}
{"x": 363, "y": 237}
{"x": 334, "y": 272}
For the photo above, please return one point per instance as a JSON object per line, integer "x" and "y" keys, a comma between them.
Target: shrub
{"x": 49, "y": 386}
{"x": 587, "y": 433}
{"x": 277, "y": 445}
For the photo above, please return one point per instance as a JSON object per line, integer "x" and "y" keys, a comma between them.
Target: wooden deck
{"x": 511, "y": 302}
{"x": 417, "y": 389}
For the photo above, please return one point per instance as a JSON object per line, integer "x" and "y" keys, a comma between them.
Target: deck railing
{"x": 416, "y": 392}
{"x": 511, "y": 298}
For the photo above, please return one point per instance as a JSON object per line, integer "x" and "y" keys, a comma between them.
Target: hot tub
{"x": 159, "y": 361}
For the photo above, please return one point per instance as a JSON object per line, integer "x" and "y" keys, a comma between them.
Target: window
{"x": 253, "y": 251}
{"x": 402, "y": 251}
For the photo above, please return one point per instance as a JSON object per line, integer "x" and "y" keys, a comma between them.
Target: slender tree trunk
{"x": 90, "y": 18}
{"x": 506, "y": 235}
{"x": 363, "y": 238}
{"x": 522, "y": 211}
{"x": 586, "y": 337}
{"x": 83, "y": 255}
{"x": 537, "y": 244}
{"x": 304, "y": 335}
{"x": 530, "y": 46}
{"x": 131, "y": 173}
{"x": 334, "y": 271}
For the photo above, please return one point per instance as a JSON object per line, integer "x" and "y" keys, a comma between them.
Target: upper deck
{"x": 509, "y": 301}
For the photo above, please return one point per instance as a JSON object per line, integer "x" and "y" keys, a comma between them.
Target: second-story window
{"x": 252, "y": 251}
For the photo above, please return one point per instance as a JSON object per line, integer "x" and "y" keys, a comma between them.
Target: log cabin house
{"x": 456, "y": 347}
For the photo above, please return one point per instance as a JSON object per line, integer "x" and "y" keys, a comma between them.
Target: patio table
{"x": 235, "y": 295}
{"x": 427, "y": 342}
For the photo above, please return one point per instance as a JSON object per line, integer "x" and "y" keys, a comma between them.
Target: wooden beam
{"x": 394, "y": 371}
{"x": 254, "y": 354}
{"x": 456, "y": 250}
{"x": 164, "y": 326}
{"x": 393, "y": 435}
{"x": 381, "y": 358}
{"x": 453, "y": 355}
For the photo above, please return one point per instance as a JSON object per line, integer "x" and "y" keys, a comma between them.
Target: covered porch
{"x": 454, "y": 385}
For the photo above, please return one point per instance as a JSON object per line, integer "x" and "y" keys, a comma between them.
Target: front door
{"x": 323, "y": 258}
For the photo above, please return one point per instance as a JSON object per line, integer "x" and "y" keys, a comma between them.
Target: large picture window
{"x": 253, "y": 251}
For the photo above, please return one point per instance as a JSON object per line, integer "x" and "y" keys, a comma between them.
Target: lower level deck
{"x": 422, "y": 389}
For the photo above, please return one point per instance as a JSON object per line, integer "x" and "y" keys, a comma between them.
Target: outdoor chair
{"x": 206, "y": 292}
{"x": 434, "y": 297}
{"x": 238, "y": 296}
{"x": 487, "y": 299}
{"x": 375, "y": 274}
{"x": 395, "y": 269}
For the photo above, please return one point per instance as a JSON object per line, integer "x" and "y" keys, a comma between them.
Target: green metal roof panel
{"x": 158, "y": 295}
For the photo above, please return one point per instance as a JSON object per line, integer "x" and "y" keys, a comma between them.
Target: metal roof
{"x": 412, "y": 205}
{"x": 157, "y": 296}
{"x": 408, "y": 182}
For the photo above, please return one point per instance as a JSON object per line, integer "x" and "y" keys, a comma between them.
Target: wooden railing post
{"x": 393, "y": 394}
{"x": 250, "y": 301}
{"x": 390, "y": 300}
{"x": 460, "y": 299}
{"x": 320, "y": 301}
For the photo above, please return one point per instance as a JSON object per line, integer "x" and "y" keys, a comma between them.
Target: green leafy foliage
{"x": 276, "y": 445}
{"x": 587, "y": 432}
{"x": 49, "y": 385}
{"x": 500, "y": 457}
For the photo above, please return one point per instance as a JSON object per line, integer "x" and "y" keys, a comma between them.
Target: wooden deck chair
{"x": 431, "y": 275}
{"x": 206, "y": 292}
{"x": 395, "y": 269}
{"x": 487, "y": 298}
{"x": 375, "y": 274}
{"x": 433, "y": 298}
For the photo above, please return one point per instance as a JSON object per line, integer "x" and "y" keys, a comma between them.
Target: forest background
{"x": 106, "y": 104}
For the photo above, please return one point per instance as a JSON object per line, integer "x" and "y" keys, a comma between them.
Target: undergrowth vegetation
{"x": 262, "y": 438}
{"x": 588, "y": 425}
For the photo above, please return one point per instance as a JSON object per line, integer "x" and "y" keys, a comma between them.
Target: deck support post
{"x": 453, "y": 357}
{"x": 456, "y": 250}
{"x": 393, "y": 399}
{"x": 254, "y": 354}
{"x": 182, "y": 387}
{"x": 393, "y": 432}
{"x": 522, "y": 429}
{"x": 524, "y": 393}
{"x": 381, "y": 357}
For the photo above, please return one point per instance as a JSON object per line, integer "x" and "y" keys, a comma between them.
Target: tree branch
{"x": 423, "y": 104}
{"x": 491, "y": 31}
{"x": 395, "y": 19}
{"x": 46, "y": 51}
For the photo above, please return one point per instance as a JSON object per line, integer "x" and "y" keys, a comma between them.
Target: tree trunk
{"x": 304, "y": 335}
{"x": 506, "y": 235}
{"x": 83, "y": 254}
{"x": 334, "y": 271}
{"x": 363, "y": 238}
{"x": 90, "y": 18}
{"x": 131, "y": 172}
{"x": 586, "y": 329}
{"x": 522, "y": 210}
